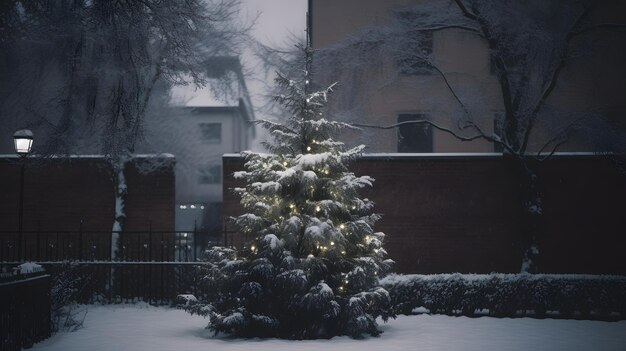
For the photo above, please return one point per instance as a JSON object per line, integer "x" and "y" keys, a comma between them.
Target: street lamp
{"x": 23, "y": 140}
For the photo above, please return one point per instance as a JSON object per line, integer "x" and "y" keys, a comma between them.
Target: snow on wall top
{"x": 164, "y": 155}
{"x": 441, "y": 154}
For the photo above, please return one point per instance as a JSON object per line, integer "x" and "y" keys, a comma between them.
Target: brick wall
{"x": 77, "y": 193}
{"x": 462, "y": 213}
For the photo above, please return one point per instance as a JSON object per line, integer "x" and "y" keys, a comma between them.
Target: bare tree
{"x": 81, "y": 73}
{"x": 529, "y": 45}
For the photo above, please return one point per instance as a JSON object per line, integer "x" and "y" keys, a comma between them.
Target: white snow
{"x": 29, "y": 267}
{"x": 142, "y": 327}
{"x": 310, "y": 160}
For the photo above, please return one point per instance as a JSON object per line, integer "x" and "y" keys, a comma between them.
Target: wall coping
{"x": 443, "y": 155}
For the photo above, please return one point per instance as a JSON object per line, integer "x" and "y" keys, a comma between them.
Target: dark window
{"x": 414, "y": 60}
{"x": 498, "y": 124}
{"x": 414, "y": 137}
{"x": 211, "y": 175}
{"x": 211, "y": 133}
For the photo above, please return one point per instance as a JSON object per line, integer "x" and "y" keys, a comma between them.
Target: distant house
{"x": 198, "y": 134}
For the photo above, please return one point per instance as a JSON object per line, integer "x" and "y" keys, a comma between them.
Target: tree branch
{"x": 599, "y": 26}
{"x": 466, "y": 12}
{"x": 447, "y": 82}
{"x": 558, "y": 140}
{"x": 493, "y": 138}
{"x": 436, "y": 27}
{"x": 553, "y": 79}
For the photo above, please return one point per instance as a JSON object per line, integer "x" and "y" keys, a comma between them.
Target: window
{"x": 414, "y": 137}
{"x": 414, "y": 60}
{"x": 211, "y": 133}
{"x": 211, "y": 174}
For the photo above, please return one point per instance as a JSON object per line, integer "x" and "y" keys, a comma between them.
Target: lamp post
{"x": 23, "y": 140}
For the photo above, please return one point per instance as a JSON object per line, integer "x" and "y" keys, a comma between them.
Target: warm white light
{"x": 342, "y": 226}
{"x": 193, "y": 206}
{"x": 317, "y": 209}
{"x": 252, "y": 247}
{"x": 285, "y": 163}
{"x": 308, "y": 148}
{"x": 332, "y": 243}
{"x": 23, "y": 140}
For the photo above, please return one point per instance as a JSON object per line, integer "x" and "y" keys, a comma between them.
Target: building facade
{"x": 590, "y": 84}
{"x": 198, "y": 129}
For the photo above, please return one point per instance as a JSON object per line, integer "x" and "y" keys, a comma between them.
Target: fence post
{"x": 150, "y": 241}
{"x": 39, "y": 240}
{"x": 225, "y": 233}
{"x": 80, "y": 240}
{"x": 56, "y": 243}
{"x": 195, "y": 239}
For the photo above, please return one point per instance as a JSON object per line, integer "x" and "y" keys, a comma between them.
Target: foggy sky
{"x": 277, "y": 21}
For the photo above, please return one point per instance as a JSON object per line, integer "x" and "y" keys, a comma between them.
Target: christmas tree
{"x": 312, "y": 269}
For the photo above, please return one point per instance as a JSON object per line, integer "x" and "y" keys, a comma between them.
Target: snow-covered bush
{"x": 510, "y": 295}
{"x": 69, "y": 281}
{"x": 312, "y": 269}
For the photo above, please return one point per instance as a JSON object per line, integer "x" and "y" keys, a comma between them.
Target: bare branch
{"x": 558, "y": 140}
{"x": 556, "y": 146}
{"x": 437, "y": 27}
{"x": 553, "y": 79}
{"x": 599, "y": 26}
{"x": 491, "y": 138}
{"x": 466, "y": 12}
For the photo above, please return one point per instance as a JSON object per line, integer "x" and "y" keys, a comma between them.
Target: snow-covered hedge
{"x": 510, "y": 295}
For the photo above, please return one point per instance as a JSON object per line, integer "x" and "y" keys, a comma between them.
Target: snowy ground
{"x": 146, "y": 328}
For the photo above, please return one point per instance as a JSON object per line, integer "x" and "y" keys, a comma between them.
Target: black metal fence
{"x": 122, "y": 282}
{"x": 24, "y": 310}
{"x": 148, "y": 246}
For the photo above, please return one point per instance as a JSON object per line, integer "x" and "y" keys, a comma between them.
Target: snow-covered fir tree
{"x": 312, "y": 269}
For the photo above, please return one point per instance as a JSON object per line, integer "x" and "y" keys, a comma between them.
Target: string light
{"x": 332, "y": 243}
{"x": 317, "y": 209}
{"x": 342, "y": 226}
{"x": 285, "y": 163}
{"x": 253, "y": 248}
{"x": 308, "y": 148}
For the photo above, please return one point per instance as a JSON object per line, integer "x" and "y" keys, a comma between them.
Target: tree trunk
{"x": 530, "y": 213}
{"x": 119, "y": 184}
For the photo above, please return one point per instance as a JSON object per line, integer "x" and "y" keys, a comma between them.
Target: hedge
{"x": 510, "y": 295}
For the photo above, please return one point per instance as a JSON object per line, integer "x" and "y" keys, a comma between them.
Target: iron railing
{"x": 83, "y": 245}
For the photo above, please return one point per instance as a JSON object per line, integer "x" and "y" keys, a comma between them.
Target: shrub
{"x": 510, "y": 295}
